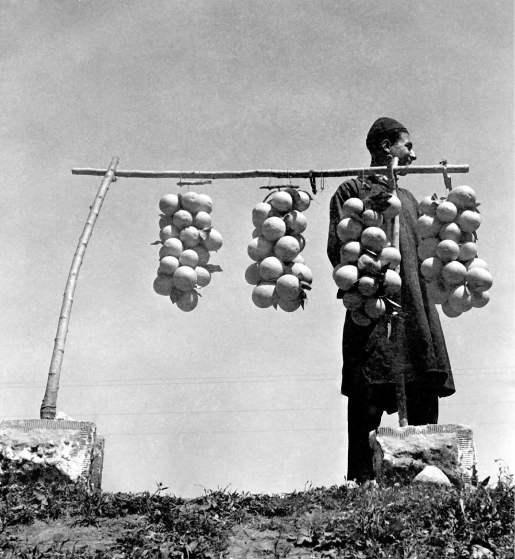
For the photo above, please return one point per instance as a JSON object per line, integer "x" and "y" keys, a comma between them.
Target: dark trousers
{"x": 364, "y": 415}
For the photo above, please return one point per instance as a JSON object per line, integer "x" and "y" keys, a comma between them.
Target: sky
{"x": 230, "y": 395}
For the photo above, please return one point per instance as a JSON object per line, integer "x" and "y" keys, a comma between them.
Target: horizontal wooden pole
{"x": 266, "y": 173}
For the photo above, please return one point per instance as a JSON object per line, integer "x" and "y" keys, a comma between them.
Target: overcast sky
{"x": 231, "y": 394}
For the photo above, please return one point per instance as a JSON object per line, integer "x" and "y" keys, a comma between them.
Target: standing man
{"x": 370, "y": 355}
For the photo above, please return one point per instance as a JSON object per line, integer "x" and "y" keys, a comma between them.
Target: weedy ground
{"x": 41, "y": 518}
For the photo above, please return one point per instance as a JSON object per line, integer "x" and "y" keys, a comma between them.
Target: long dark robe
{"x": 369, "y": 356}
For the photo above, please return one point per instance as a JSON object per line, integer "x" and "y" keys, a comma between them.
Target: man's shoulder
{"x": 349, "y": 188}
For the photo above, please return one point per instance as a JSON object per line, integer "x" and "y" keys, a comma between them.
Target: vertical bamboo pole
{"x": 48, "y": 406}
{"x": 400, "y": 384}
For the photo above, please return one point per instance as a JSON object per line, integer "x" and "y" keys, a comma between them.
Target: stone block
{"x": 72, "y": 448}
{"x": 432, "y": 475}
{"x": 401, "y": 453}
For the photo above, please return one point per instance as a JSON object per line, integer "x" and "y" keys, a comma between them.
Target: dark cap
{"x": 382, "y": 128}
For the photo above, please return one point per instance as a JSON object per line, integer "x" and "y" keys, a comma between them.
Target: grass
{"x": 45, "y": 517}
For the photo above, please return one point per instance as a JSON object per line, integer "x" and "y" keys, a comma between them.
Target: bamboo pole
{"x": 48, "y": 406}
{"x": 400, "y": 383}
{"x": 267, "y": 173}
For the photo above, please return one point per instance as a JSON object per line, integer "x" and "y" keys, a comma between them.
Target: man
{"x": 372, "y": 353}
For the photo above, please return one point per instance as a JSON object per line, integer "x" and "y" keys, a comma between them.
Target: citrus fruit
{"x": 446, "y": 212}
{"x": 353, "y": 300}
{"x": 368, "y": 285}
{"x": 184, "y": 278}
{"x": 375, "y": 308}
{"x": 203, "y": 254}
{"x": 450, "y": 311}
{"x": 182, "y": 219}
{"x": 295, "y": 222}
{"x": 460, "y": 299}
{"x": 263, "y": 294}
{"x": 168, "y": 265}
{"x": 260, "y": 213}
{"x": 271, "y": 268}
{"x": 462, "y": 197}
{"x": 373, "y": 238}
{"x": 202, "y": 220}
{"x": 281, "y": 201}
{"x": 190, "y": 237}
{"x": 479, "y": 279}
{"x": 451, "y": 232}
{"x": 345, "y": 276}
{"x": 394, "y": 208}
{"x": 171, "y": 248}
{"x": 163, "y": 284}
{"x": 427, "y": 248}
{"x": 350, "y": 252}
{"x": 371, "y": 218}
{"x": 213, "y": 240}
{"x": 288, "y": 287}
{"x": 477, "y": 263}
{"x": 169, "y": 204}
{"x": 480, "y": 299}
{"x": 360, "y": 318}
{"x": 469, "y": 221}
{"x": 352, "y": 206}
{"x": 303, "y": 204}
{"x": 428, "y": 226}
{"x": 260, "y": 248}
{"x": 169, "y": 232}
{"x": 189, "y": 258}
{"x": 273, "y": 228}
{"x": 392, "y": 282}
{"x": 428, "y": 206}
{"x": 447, "y": 251}
{"x": 390, "y": 256}
{"x": 252, "y": 275}
{"x": 190, "y": 202}
{"x": 454, "y": 273}
{"x": 187, "y": 301}
{"x": 349, "y": 229}
{"x": 369, "y": 264}
{"x": 437, "y": 292}
{"x": 431, "y": 268}
{"x": 203, "y": 276}
{"x": 206, "y": 204}
{"x": 288, "y": 305}
{"x": 256, "y": 232}
{"x": 298, "y": 259}
{"x": 468, "y": 251}
{"x": 301, "y": 271}
{"x": 287, "y": 248}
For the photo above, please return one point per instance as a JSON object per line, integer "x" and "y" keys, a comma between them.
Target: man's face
{"x": 403, "y": 149}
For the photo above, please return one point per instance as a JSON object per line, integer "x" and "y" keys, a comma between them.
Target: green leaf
{"x": 268, "y": 196}
{"x": 295, "y": 195}
{"x": 378, "y": 202}
{"x": 213, "y": 268}
{"x": 157, "y": 243}
{"x": 305, "y": 285}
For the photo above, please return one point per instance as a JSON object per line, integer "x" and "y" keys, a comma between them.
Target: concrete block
{"x": 401, "y": 453}
{"x": 72, "y": 448}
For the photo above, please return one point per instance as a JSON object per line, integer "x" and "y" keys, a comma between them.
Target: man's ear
{"x": 386, "y": 145}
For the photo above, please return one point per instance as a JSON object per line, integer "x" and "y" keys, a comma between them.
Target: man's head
{"x": 389, "y": 137}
